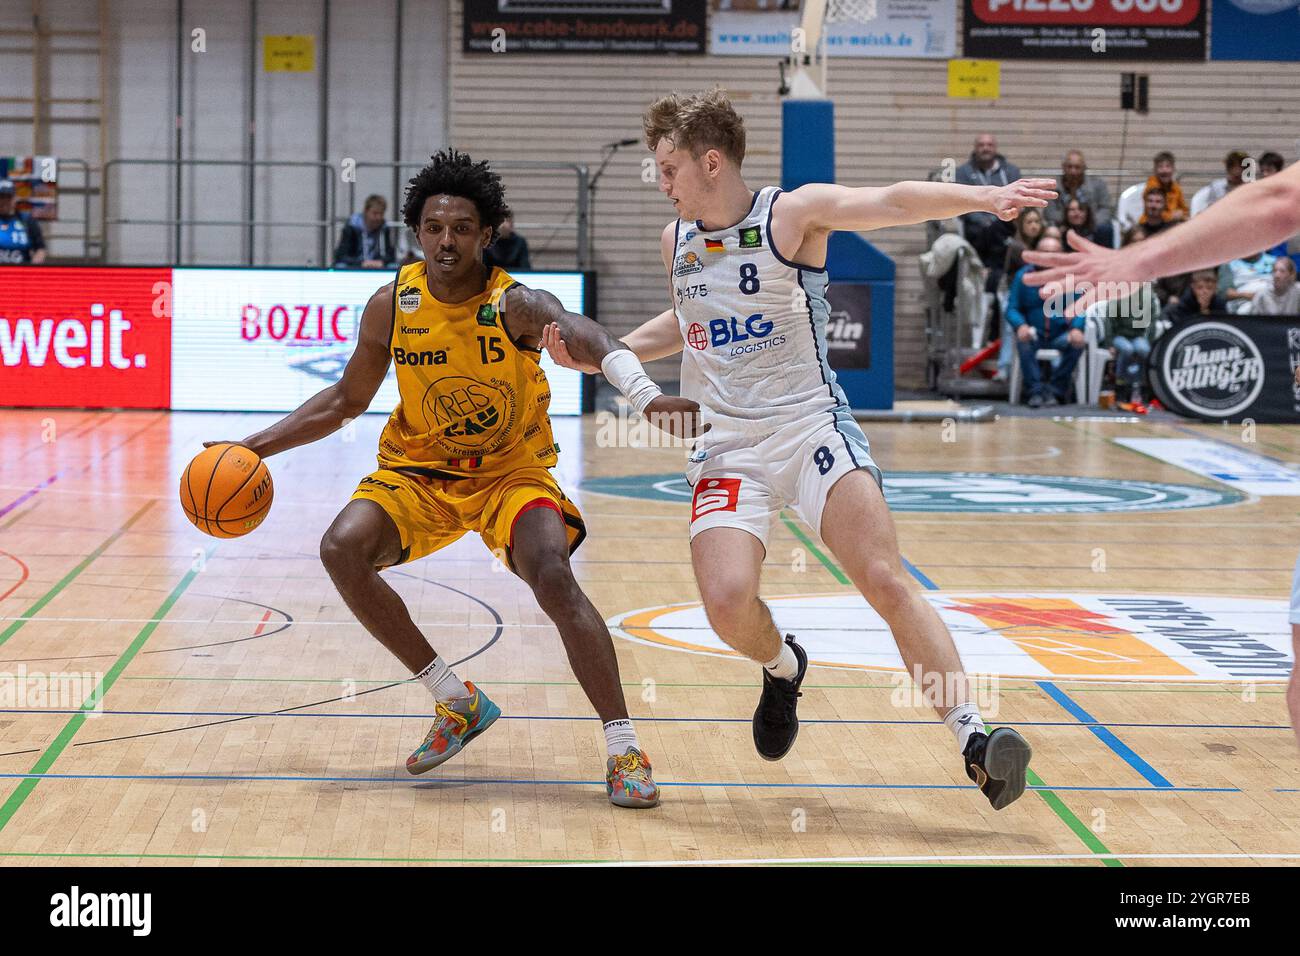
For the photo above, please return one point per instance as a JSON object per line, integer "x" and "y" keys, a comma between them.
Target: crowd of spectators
{"x": 1264, "y": 283}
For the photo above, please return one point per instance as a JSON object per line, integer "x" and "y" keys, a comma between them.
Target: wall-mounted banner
{"x": 204, "y": 339}
{"x": 1230, "y": 369}
{"x": 584, "y": 26}
{"x": 1097, "y": 30}
{"x": 1255, "y": 30}
{"x": 922, "y": 29}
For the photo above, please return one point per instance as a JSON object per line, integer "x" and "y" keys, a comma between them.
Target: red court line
{"x": 22, "y": 579}
{"x": 266, "y": 616}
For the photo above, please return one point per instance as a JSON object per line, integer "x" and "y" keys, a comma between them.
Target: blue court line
{"x": 1058, "y": 695}
{"x": 30, "y": 493}
{"x": 917, "y": 573}
{"x": 647, "y": 720}
{"x": 1104, "y": 735}
{"x": 733, "y": 785}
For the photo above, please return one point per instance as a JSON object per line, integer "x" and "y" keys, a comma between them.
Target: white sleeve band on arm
{"x": 625, "y": 373}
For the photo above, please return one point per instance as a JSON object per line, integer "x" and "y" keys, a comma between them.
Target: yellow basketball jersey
{"x": 473, "y": 404}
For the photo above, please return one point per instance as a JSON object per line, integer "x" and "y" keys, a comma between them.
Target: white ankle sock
{"x": 964, "y": 720}
{"x": 619, "y": 736}
{"x": 439, "y": 680}
{"x": 784, "y": 665}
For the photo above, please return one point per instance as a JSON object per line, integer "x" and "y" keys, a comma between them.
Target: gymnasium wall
{"x": 140, "y": 63}
{"x": 894, "y": 122}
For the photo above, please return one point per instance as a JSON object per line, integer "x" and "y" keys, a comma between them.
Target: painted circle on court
{"x": 1028, "y": 634}
{"x": 979, "y": 492}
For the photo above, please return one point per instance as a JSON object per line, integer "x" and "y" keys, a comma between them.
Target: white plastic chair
{"x": 1081, "y": 383}
{"x": 1201, "y": 201}
{"x": 1129, "y": 209}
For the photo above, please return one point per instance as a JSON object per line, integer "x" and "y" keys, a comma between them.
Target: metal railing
{"x": 580, "y": 227}
{"x": 572, "y": 219}
{"x": 250, "y": 221}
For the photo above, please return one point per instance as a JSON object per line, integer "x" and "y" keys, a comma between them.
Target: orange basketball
{"x": 226, "y": 491}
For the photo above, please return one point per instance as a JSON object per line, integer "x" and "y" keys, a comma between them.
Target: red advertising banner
{"x": 1137, "y": 13}
{"x": 85, "y": 337}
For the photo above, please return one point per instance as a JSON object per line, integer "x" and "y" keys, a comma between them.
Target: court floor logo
{"x": 975, "y": 491}
{"x": 1035, "y": 635}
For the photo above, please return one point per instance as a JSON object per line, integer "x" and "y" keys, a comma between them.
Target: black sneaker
{"x": 997, "y": 763}
{"x": 775, "y": 723}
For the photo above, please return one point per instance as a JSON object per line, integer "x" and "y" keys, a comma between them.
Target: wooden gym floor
{"x": 248, "y": 719}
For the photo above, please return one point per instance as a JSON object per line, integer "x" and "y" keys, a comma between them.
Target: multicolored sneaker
{"x": 628, "y": 781}
{"x": 459, "y": 721}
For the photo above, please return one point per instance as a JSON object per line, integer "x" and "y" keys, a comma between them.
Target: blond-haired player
{"x": 747, "y": 277}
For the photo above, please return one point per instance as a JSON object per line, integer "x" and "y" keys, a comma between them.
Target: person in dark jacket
{"x": 365, "y": 243}
{"x": 1038, "y": 323}
{"x": 983, "y": 230}
{"x": 510, "y": 251}
{"x": 1201, "y": 297}
{"x": 21, "y": 242}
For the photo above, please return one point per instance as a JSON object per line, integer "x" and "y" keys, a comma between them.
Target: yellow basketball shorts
{"x": 431, "y": 513}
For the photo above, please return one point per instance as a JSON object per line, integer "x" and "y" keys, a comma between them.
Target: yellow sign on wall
{"x": 288, "y": 54}
{"x": 974, "y": 79}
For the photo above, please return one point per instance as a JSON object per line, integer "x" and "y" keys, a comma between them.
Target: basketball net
{"x": 808, "y": 65}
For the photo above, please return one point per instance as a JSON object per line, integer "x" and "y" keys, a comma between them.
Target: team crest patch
{"x": 687, "y": 263}
{"x": 487, "y": 314}
{"x": 751, "y": 238}
{"x": 408, "y": 299}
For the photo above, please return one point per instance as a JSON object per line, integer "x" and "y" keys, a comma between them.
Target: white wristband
{"x": 625, "y": 373}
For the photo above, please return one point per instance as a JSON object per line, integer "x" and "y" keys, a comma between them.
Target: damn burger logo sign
{"x": 1211, "y": 370}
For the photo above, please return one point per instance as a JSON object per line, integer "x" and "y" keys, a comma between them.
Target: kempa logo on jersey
{"x": 979, "y": 492}
{"x": 1139, "y": 637}
{"x": 727, "y": 331}
{"x": 408, "y": 299}
{"x": 1214, "y": 369}
{"x": 414, "y": 330}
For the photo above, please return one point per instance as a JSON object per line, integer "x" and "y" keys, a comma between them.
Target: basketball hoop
{"x": 812, "y": 60}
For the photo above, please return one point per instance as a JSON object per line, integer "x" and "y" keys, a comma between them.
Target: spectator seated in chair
{"x": 1283, "y": 296}
{"x": 21, "y": 242}
{"x": 1241, "y": 279}
{"x": 1075, "y": 185}
{"x": 1038, "y": 323}
{"x": 1129, "y": 331}
{"x": 1029, "y": 230}
{"x": 983, "y": 230}
{"x": 510, "y": 251}
{"x": 1164, "y": 177}
{"x": 1201, "y": 297}
{"x": 365, "y": 243}
{"x": 1153, "y": 219}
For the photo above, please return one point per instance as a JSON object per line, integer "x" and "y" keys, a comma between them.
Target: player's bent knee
{"x": 886, "y": 590}
{"x": 729, "y": 604}
{"x": 554, "y": 586}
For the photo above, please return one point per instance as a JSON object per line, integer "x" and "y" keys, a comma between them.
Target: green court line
{"x": 1090, "y": 839}
{"x": 52, "y": 752}
{"x": 53, "y": 592}
{"x": 807, "y": 543}
{"x": 1119, "y": 689}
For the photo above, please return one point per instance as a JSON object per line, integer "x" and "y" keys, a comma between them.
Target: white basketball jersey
{"x": 754, "y": 325}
